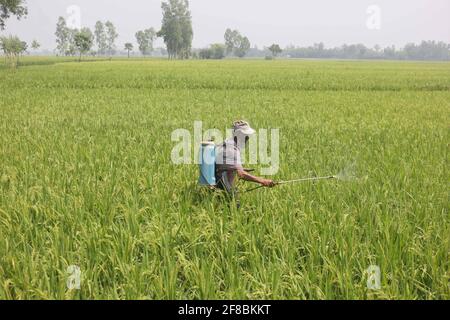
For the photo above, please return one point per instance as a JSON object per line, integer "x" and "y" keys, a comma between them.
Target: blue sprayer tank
{"x": 207, "y": 161}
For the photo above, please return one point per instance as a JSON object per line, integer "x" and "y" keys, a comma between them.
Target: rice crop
{"x": 86, "y": 180}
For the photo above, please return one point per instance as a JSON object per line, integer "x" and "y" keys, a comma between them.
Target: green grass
{"x": 86, "y": 179}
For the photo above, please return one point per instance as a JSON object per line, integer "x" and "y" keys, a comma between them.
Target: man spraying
{"x": 228, "y": 160}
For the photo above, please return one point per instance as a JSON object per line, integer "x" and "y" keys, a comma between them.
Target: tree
{"x": 231, "y": 40}
{"x": 242, "y": 47}
{"x": 389, "y": 52}
{"x": 111, "y": 36}
{"x": 215, "y": 51}
{"x": 129, "y": 47}
{"x": 71, "y": 45}
{"x": 11, "y": 7}
{"x": 23, "y": 47}
{"x": 427, "y": 50}
{"x": 100, "y": 37}
{"x": 236, "y": 43}
{"x": 35, "y": 45}
{"x": 204, "y": 53}
{"x": 145, "y": 40}
{"x": 84, "y": 40}
{"x": 218, "y": 51}
{"x": 275, "y": 50}
{"x": 12, "y": 47}
{"x": 62, "y": 36}
{"x": 176, "y": 29}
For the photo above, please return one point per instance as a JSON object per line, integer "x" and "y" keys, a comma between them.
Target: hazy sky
{"x": 298, "y": 22}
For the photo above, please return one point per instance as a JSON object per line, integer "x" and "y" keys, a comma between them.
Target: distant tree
{"x": 72, "y": 46}
{"x": 427, "y": 50}
{"x": 176, "y": 29}
{"x": 204, "y": 53}
{"x": 111, "y": 36}
{"x": 62, "y": 36}
{"x": 23, "y": 47}
{"x": 35, "y": 45}
{"x": 218, "y": 51}
{"x": 236, "y": 43}
{"x": 275, "y": 50}
{"x": 145, "y": 40}
{"x": 100, "y": 38}
{"x": 215, "y": 51}
{"x": 319, "y": 47}
{"x": 389, "y": 52}
{"x": 243, "y": 47}
{"x": 84, "y": 40}
{"x": 231, "y": 40}
{"x": 129, "y": 47}
{"x": 11, "y": 7}
{"x": 12, "y": 47}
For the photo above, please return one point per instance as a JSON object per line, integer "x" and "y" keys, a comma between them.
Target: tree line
{"x": 71, "y": 41}
{"x": 234, "y": 44}
{"x": 177, "y": 34}
{"x": 426, "y": 50}
{"x": 176, "y": 31}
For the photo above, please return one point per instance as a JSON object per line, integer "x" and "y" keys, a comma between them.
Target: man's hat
{"x": 243, "y": 128}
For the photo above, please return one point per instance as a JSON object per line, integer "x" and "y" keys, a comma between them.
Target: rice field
{"x": 86, "y": 179}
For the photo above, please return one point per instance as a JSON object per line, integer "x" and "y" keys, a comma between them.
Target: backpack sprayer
{"x": 207, "y": 165}
{"x": 207, "y": 161}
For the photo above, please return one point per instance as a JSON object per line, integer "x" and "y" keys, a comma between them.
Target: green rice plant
{"x": 86, "y": 180}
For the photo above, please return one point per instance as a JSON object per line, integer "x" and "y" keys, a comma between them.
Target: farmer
{"x": 228, "y": 159}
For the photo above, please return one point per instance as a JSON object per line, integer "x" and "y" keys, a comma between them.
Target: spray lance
{"x": 347, "y": 174}
{"x": 296, "y": 181}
